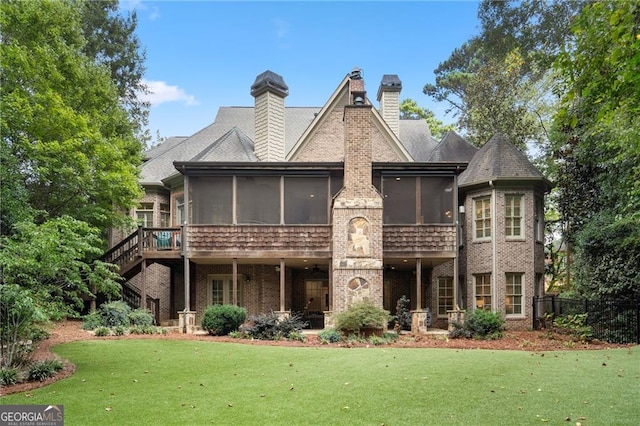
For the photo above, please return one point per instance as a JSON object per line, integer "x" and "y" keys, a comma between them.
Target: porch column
{"x": 143, "y": 284}
{"x": 418, "y": 284}
{"x": 282, "y": 288}
{"x": 186, "y": 317}
{"x": 235, "y": 281}
{"x": 419, "y": 315}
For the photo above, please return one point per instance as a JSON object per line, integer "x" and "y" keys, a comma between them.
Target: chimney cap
{"x": 389, "y": 83}
{"x": 269, "y": 81}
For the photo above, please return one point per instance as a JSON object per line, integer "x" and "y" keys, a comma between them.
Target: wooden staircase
{"x": 150, "y": 245}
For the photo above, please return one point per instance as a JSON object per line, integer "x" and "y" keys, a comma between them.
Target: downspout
{"x": 186, "y": 278}
{"x": 456, "y": 266}
{"x": 494, "y": 247}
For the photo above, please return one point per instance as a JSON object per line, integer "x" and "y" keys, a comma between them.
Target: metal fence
{"x": 615, "y": 321}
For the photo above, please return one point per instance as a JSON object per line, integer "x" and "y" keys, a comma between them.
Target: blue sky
{"x": 202, "y": 55}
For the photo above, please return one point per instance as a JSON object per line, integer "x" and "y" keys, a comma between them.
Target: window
{"x": 144, "y": 214}
{"x": 179, "y": 216}
{"x": 445, "y": 295}
{"x": 165, "y": 215}
{"x": 513, "y": 215}
{"x": 220, "y": 290}
{"x": 539, "y": 219}
{"x": 258, "y": 199}
{"x": 399, "y": 194}
{"x": 211, "y": 200}
{"x": 306, "y": 200}
{"x": 513, "y": 294}
{"x": 483, "y": 291}
{"x": 436, "y": 199}
{"x": 482, "y": 217}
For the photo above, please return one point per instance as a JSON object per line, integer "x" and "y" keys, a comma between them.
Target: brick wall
{"x": 512, "y": 254}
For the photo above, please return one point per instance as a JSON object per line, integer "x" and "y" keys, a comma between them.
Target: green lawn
{"x": 162, "y": 382}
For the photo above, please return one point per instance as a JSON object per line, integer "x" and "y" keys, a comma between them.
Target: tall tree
{"x": 598, "y": 147}
{"x": 492, "y": 83}
{"x": 67, "y": 139}
{"x": 69, "y": 148}
{"x": 409, "y": 110}
{"x": 111, "y": 40}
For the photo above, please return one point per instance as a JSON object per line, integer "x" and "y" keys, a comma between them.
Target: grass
{"x": 196, "y": 383}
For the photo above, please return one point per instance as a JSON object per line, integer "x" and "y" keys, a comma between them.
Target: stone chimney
{"x": 269, "y": 91}
{"x": 388, "y": 96}
{"x": 357, "y": 210}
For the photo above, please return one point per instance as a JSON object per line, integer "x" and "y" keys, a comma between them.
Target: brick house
{"x": 296, "y": 209}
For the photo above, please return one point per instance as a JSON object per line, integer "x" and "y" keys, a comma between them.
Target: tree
{"x": 69, "y": 148}
{"x": 67, "y": 140}
{"x": 53, "y": 262}
{"x": 498, "y": 81}
{"x": 409, "y": 110}
{"x": 111, "y": 41}
{"x": 598, "y": 148}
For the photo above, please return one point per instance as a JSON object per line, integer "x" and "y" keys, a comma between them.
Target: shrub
{"x": 38, "y": 334}
{"x": 480, "y": 324}
{"x": 44, "y": 369}
{"x": 330, "y": 335}
{"x": 114, "y": 314}
{"x": 91, "y": 321}
{"x": 119, "y": 330}
{"x": 8, "y": 376}
{"x": 140, "y": 317}
{"x": 361, "y": 315}
{"x": 271, "y": 327}
{"x": 221, "y": 320}
{"x": 297, "y": 336}
{"x": 143, "y": 329}
{"x": 573, "y": 325}
{"x": 102, "y": 331}
{"x": 402, "y": 318}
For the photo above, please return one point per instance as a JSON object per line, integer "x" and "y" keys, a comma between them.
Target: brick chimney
{"x": 357, "y": 210}
{"x": 388, "y": 96}
{"x": 269, "y": 91}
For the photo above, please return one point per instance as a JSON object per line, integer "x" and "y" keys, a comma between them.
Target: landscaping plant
{"x": 220, "y": 320}
{"x": 359, "y": 316}
{"x": 480, "y": 324}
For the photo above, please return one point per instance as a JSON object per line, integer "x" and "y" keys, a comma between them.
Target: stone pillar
{"x": 455, "y": 316}
{"x": 419, "y": 321}
{"x": 187, "y": 321}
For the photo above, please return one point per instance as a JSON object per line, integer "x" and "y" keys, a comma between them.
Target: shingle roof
{"x": 453, "y": 148}
{"x": 416, "y": 138}
{"x": 232, "y": 146}
{"x": 498, "y": 159}
{"x": 232, "y": 133}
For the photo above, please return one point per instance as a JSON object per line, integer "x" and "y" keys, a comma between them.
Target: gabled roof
{"x": 232, "y": 146}
{"x": 499, "y": 160}
{"x": 334, "y": 102}
{"x": 164, "y": 146}
{"x": 453, "y": 148}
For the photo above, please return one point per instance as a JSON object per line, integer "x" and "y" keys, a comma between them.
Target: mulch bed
{"x": 69, "y": 331}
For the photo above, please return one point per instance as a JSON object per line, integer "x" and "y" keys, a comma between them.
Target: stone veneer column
{"x": 357, "y": 216}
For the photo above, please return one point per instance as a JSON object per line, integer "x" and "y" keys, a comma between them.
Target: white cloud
{"x": 160, "y": 92}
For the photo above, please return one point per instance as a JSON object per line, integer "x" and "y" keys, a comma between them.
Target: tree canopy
{"x": 70, "y": 145}
{"x": 564, "y": 75}
{"x": 410, "y": 110}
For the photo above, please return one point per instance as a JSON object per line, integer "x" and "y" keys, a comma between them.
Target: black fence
{"x": 615, "y": 321}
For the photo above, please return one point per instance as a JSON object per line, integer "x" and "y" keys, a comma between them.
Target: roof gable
{"x": 323, "y": 140}
{"x": 499, "y": 160}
